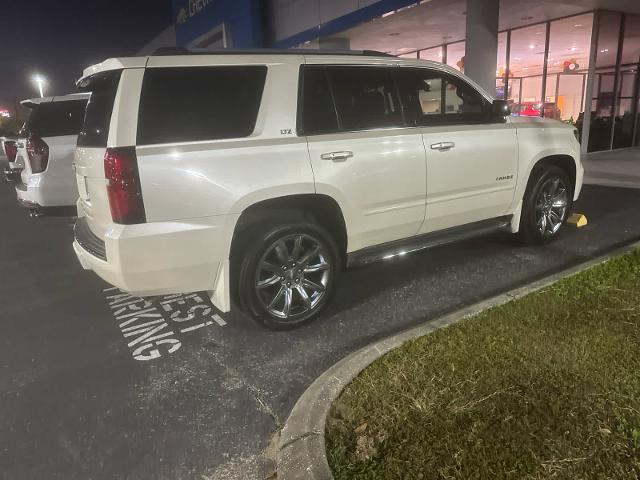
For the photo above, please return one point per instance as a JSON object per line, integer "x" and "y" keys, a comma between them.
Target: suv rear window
{"x": 199, "y": 103}
{"x": 55, "y": 119}
{"x": 95, "y": 130}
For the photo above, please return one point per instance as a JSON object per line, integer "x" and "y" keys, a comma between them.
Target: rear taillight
{"x": 10, "y": 150}
{"x": 38, "y": 152}
{"x": 123, "y": 186}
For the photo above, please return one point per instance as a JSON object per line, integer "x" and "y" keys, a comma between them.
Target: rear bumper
{"x": 38, "y": 190}
{"x": 161, "y": 258}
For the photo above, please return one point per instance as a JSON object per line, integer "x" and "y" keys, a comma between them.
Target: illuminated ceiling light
{"x": 573, "y": 49}
{"x": 577, "y": 25}
{"x": 604, "y": 50}
{"x": 532, "y": 46}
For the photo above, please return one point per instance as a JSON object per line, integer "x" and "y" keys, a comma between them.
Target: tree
{"x": 9, "y": 126}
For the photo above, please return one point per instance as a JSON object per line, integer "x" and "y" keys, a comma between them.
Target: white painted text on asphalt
{"x": 153, "y": 328}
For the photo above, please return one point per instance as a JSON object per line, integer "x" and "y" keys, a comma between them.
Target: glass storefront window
{"x": 513, "y": 95}
{"x": 526, "y": 62}
{"x": 568, "y": 66}
{"x": 455, "y": 55}
{"x": 570, "y": 44}
{"x": 433, "y": 54}
{"x": 604, "y": 82}
{"x": 501, "y": 65}
{"x": 570, "y": 101}
{"x": 626, "y": 110}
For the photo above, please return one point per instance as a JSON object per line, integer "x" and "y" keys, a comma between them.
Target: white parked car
{"x": 259, "y": 177}
{"x": 45, "y": 147}
{"x": 15, "y": 165}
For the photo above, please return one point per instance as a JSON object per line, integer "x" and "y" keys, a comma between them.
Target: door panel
{"x": 472, "y": 156}
{"x": 381, "y": 186}
{"x": 475, "y": 179}
{"x": 362, "y": 154}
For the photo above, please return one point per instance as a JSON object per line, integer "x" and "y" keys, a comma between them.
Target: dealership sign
{"x": 193, "y": 8}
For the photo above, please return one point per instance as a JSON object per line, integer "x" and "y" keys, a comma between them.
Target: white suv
{"x": 260, "y": 176}
{"x": 45, "y": 148}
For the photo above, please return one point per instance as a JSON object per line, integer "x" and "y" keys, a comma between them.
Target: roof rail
{"x": 173, "y": 51}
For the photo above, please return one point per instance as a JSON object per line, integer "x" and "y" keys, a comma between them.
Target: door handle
{"x": 335, "y": 156}
{"x": 443, "y": 146}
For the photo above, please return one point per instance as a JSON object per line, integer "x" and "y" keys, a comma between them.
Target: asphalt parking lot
{"x": 86, "y": 394}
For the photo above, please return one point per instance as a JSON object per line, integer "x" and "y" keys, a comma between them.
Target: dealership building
{"x": 552, "y": 58}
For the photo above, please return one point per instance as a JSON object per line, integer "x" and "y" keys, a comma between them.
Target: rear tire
{"x": 547, "y": 203}
{"x": 287, "y": 271}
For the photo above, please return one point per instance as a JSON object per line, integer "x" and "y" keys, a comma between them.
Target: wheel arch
{"x": 563, "y": 161}
{"x": 321, "y": 208}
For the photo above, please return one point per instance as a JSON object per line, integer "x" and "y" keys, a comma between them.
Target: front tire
{"x": 288, "y": 272}
{"x": 547, "y": 203}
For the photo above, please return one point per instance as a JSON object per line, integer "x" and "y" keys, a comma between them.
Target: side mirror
{"x": 501, "y": 109}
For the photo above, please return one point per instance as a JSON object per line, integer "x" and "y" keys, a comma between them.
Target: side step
{"x": 428, "y": 240}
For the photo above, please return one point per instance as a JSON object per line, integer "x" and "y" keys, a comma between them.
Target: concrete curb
{"x": 301, "y": 449}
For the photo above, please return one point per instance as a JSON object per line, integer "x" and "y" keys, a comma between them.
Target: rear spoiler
{"x": 101, "y": 70}
{"x": 33, "y": 102}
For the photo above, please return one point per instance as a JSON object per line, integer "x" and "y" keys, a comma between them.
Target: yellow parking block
{"x": 578, "y": 220}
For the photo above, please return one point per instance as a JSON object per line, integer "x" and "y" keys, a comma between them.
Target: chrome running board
{"x": 428, "y": 240}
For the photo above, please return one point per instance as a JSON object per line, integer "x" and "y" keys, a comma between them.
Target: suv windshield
{"x": 55, "y": 119}
{"x": 95, "y": 130}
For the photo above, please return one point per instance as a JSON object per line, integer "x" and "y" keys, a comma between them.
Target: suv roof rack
{"x": 172, "y": 51}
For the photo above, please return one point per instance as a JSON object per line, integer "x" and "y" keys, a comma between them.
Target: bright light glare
{"x": 40, "y": 81}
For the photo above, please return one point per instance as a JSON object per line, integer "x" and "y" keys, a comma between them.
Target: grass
{"x": 545, "y": 387}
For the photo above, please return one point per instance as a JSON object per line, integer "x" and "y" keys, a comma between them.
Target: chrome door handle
{"x": 335, "y": 156}
{"x": 443, "y": 146}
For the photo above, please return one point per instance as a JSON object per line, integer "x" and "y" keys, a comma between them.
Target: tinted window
{"x": 54, "y": 119}
{"x": 202, "y": 103}
{"x": 434, "y": 97}
{"x": 463, "y": 102}
{"x": 318, "y": 110}
{"x": 365, "y": 97}
{"x": 95, "y": 130}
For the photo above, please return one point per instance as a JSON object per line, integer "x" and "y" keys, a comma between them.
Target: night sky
{"x": 59, "y": 38}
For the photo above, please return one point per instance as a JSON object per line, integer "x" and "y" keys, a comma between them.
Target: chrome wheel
{"x": 293, "y": 276}
{"x": 551, "y": 206}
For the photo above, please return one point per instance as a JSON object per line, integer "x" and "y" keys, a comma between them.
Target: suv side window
{"x": 97, "y": 118}
{"x": 365, "y": 97}
{"x": 186, "y": 104}
{"x": 432, "y": 97}
{"x": 318, "y": 113}
{"x": 463, "y": 103}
